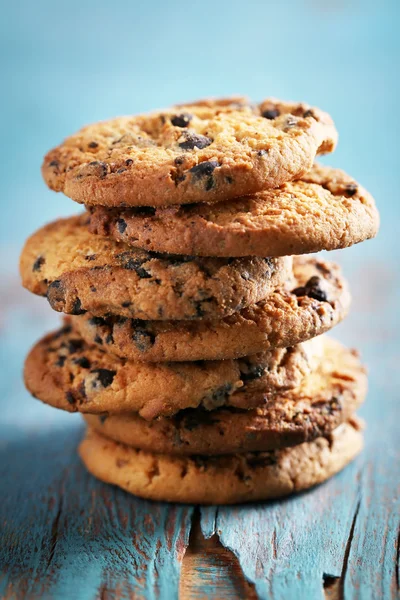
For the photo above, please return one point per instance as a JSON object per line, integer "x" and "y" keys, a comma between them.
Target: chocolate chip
{"x": 271, "y": 113}
{"x": 56, "y": 294}
{"x": 93, "y": 145}
{"x": 77, "y": 308}
{"x": 262, "y": 152}
{"x": 132, "y": 262}
{"x": 204, "y": 170}
{"x": 179, "y": 160}
{"x": 308, "y": 113}
{"x": 98, "y": 339}
{"x": 251, "y": 372}
{"x": 101, "y": 168}
{"x": 220, "y": 395}
{"x": 126, "y": 304}
{"x": 351, "y": 189}
{"x": 198, "y": 305}
{"x": 121, "y": 225}
{"x": 181, "y": 120}
{"x": 37, "y": 265}
{"x": 54, "y": 163}
{"x": 210, "y": 183}
{"x": 90, "y": 257}
{"x": 104, "y": 376}
{"x": 93, "y": 288}
{"x": 128, "y": 162}
{"x": 74, "y": 345}
{"x": 109, "y": 339}
{"x": 143, "y": 211}
{"x": 60, "y": 361}
{"x": 312, "y": 289}
{"x": 83, "y": 362}
{"x": 97, "y": 321}
{"x": 190, "y": 419}
{"x": 175, "y": 260}
{"x": 102, "y": 418}
{"x": 70, "y": 398}
{"x": 194, "y": 140}
{"x": 143, "y": 339}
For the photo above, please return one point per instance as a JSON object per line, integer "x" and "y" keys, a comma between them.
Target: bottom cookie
{"x": 226, "y": 479}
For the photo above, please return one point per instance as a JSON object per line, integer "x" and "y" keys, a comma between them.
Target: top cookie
{"x": 325, "y": 210}
{"x": 201, "y": 152}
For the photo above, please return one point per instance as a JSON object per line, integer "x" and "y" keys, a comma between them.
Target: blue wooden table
{"x": 63, "y": 535}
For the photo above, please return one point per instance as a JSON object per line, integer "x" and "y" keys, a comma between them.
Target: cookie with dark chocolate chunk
{"x": 325, "y": 210}
{"x": 326, "y": 397}
{"x": 204, "y": 151}
{"x": 68, "y": 373}
{"x": 227, "y": 479}
{"x": 315, "y": 301}
{"x": 80, "y": 272}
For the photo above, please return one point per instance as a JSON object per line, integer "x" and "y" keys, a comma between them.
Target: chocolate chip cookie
{"x": 64, "y": 371}
{"x": 80, "y": 272}
{"x": 315, "y": 302}
{"x": 326, "y": 398}
{"x": 325, "y": 210}
{"x": 199, "y": 152}
{"x": 224, "y": 479}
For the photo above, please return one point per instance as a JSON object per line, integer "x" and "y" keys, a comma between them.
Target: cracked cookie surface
{"x": 224, "y": 479}
{"x": 325, "y": 210}
{"x": 80, "y": 272}
{"x": 316, "y": 301}
{"x": 65, "y": 372}
{"x": 326, "y": 397}
{"x": 204, "y": 151}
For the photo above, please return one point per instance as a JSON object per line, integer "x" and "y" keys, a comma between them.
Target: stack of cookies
{"x": 193, "y": 343}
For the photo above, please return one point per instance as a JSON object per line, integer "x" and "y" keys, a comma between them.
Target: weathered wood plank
{"x": 288, "y": 548}
{"x": 211, "y": 571}
{"x": 63, "y": 530}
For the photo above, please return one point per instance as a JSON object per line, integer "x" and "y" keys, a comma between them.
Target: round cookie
{"x": 64, "y": 371}
{"x": 225, "y": 479}
{"x": 317, "y": 300}
{"x": 79, "y": 271}
{"x": 325, "y": 210}
{"x": 205, "y": 151}
{"x": 325, "y": 399}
